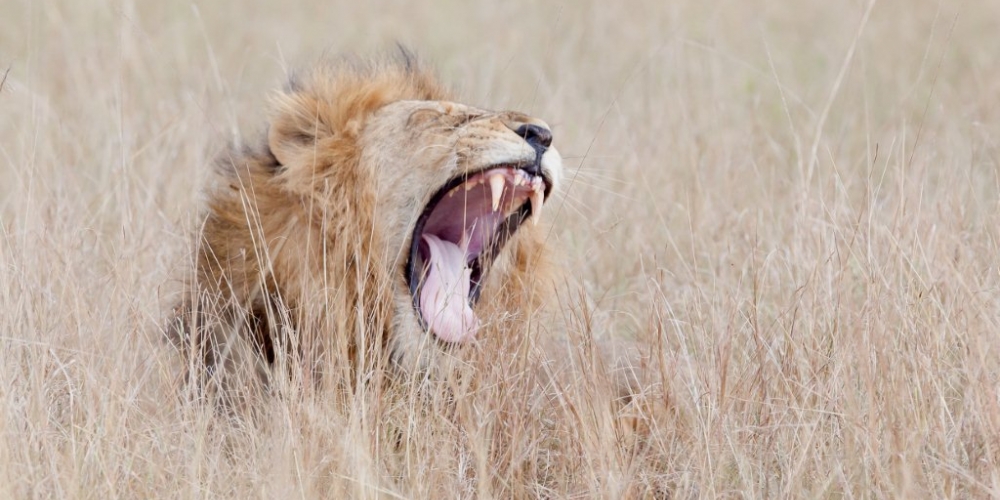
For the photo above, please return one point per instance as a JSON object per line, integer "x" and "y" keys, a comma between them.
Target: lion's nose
{"x": 540, "y": 138}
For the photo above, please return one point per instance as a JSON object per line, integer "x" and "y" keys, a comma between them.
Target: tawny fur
{"x": 305, "y": 239}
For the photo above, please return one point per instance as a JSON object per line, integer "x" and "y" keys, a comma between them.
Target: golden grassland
{"x": 792, "y": 205}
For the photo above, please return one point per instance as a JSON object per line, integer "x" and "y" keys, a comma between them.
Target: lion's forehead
{"x": 496, "y": 119}
{"x": 455, "y": 108}
{"x": 442, "y": 107}
{"x": 435, "y": 141}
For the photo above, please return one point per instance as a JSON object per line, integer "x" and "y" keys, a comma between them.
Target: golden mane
{"x": 305, "y": 244}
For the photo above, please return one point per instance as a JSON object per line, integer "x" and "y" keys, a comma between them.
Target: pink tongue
{"x": 444, "y": 299}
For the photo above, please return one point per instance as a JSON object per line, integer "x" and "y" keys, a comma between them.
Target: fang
{"x": 497, "y": 184}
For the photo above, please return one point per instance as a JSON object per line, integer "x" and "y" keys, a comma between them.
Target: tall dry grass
{"x": 793, "y": 205}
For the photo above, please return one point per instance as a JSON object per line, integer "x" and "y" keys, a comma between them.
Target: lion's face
{"x": 377, "y": 214}
{"x": 467, "y": 183}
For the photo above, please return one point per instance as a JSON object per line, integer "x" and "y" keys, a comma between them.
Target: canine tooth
{"x": 537, "y": 198}
{"x": 497, "y": 183}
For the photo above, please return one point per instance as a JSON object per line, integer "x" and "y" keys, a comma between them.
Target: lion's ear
{"x": 296, "y": 124}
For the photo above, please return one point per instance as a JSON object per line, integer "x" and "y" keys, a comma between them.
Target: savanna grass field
{"x": 793, "y": 207}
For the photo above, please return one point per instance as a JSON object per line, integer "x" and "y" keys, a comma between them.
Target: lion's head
{"x": 378, "y": 214}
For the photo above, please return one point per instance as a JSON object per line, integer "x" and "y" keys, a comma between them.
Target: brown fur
{"x": 305, "y": 237}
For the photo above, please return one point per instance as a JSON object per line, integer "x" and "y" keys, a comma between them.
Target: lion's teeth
{"x": 537, "y": 198}
{"x": 497, "y": 183}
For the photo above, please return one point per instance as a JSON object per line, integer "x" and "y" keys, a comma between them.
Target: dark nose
{"x": 540, "y": 138}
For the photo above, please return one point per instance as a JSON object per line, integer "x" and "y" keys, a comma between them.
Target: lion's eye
{"x": 422, "y": 117}
{"x": 465, "y": 120}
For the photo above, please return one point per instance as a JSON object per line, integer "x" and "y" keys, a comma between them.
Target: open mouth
{"x": 459, "y": 234}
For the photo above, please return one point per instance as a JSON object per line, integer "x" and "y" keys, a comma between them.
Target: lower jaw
{"x": 521, "y": 199}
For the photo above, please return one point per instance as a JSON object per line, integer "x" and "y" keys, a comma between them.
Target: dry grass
{"x": 796, "y": 205}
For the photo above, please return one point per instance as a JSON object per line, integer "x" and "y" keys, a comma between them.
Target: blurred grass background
{"x": 794, "y": 203}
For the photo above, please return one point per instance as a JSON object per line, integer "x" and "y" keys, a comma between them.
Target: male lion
{"x": 378, "y": 221}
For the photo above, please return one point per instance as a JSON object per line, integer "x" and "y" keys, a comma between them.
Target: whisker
{"x": 604, "y": 178}
{"x": 597, "y": 157}
{"x": 602, "y": 189}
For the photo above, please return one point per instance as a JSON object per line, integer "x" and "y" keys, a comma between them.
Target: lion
{"x": 378, "y": 224}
